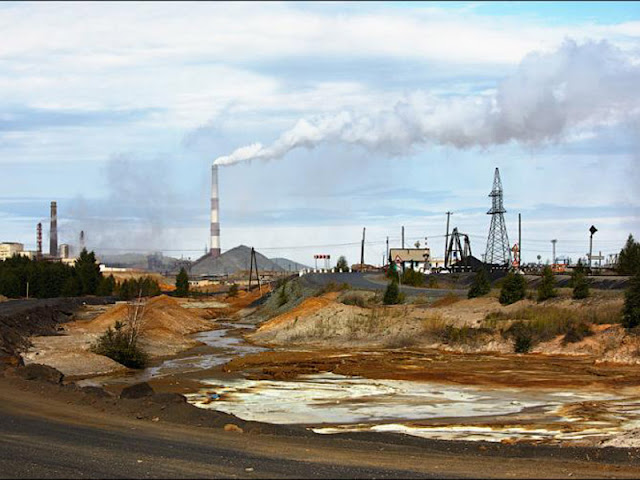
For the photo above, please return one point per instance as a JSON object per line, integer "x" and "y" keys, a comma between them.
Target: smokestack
{"x": 215, "y": 219}
{"x": 39, "y": 241}
{"x": 53, "y": 232}
{"x": 81, "y": 241}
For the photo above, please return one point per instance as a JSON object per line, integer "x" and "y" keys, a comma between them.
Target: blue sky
{"x": 398, "y": 112}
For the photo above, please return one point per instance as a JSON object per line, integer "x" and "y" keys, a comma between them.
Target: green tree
{"x": 631, "y": 310}
{"x": 629, "y": 258}
{"x": 579, "y": 282}
{"x": 182, "y": 283}
{"x": 342, "y": 265}
{"x": 514, "y": 288}
{"x": 412, "y": 277}
{"x": 71, "y": 287}
{"x": 392, "y": 294}
{"x": 107, "y": 286}
{"x": 88, "y": 272}
{"x": 546, "y": 289}
{"x": 481, "y": 284}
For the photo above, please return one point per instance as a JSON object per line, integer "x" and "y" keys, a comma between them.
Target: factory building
{"x": 9, "y": 249}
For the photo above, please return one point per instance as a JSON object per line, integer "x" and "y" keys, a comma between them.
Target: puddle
{"x": 331, "y": 403}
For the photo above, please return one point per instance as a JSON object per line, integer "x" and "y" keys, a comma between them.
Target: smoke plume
{"x": 549, "y": 96}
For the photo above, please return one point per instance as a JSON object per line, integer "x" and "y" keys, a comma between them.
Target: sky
{"x": 326, "y": 118}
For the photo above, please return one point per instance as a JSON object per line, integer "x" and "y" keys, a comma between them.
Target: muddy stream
{"x": 329, "y": 403}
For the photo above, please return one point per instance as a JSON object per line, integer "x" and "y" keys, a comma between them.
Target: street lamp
{"x": 592, "y": 230}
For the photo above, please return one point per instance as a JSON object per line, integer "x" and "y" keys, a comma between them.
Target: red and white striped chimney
{"x": 215, "y": 217}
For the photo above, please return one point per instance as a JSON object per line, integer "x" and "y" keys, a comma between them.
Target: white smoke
{"x": 549, "y": 96}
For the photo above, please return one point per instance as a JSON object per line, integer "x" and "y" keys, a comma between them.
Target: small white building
{"x": 419, "y": 259}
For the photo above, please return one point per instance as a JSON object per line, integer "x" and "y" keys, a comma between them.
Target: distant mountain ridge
{"x": 288, "y": 265}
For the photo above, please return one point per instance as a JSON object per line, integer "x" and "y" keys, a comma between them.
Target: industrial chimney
{"x": 215, "y": 219}
{"x": 81, "y": 241}
{"x": 39, "y": 241}
{"x": 53, "y": 232}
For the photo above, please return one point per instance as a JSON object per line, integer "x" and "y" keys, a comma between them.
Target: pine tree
{"x": 631, "y": 310}
{"x": 629, "y": 258}
{"x": 481, "y": 284}
{"x": 514, "y": 288}
{"x": 88, "y": 272}
{"x": 546, "y": 288}
{"x": 182, "y": 283}
{"x": 392, "y": 294}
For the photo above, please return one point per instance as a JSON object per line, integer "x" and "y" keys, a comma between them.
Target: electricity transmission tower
{"x": 498, "y": 251}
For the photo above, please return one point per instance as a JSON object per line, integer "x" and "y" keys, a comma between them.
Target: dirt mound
{"x": 305, "y": 309}
{"x": 164, "y": 329}
{"x": 231, "y": 261}
{"x": 3, "y": 298}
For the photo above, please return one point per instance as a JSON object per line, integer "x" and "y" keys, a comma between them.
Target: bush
{"x": 580, "y": 286}
{"x": 514, "y": 288}
{"x": 546, "y": 288}
{"x": 392, "y": 294}
{"x": 282, "y": 295}
{"x": 481, "y": 284}
{"x": 576, "y": 331}
{"x": 432, "y": 282}
{"x": 412, "y": 278}
{"x": 522, "y": 343}
{"x": 342, "y": 265}
{"x": 631, "y": 310}
{"x": 233, "y": 290}
{"x": 120, "y": 345}
{"x": 354, "y": 298}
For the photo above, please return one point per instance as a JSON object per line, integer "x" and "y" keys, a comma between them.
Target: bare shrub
{"x": 448, "y": 299}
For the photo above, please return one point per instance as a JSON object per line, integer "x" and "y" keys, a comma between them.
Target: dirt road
{"x": 45, "y": 433}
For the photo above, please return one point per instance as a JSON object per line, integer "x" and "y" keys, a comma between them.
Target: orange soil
{"x": 510, "y": 370}
{"x": 163, "y": 317}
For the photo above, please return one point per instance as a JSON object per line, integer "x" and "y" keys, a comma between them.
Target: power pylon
{"x": 498, "y": 251}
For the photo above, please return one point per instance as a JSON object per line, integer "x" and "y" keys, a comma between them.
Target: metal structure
{"x": 53, "y": 231}
{"x": 215, "y": 217}
{"x": 446, "y": 240}
{"x": 456, "y": 251}
{"x": 498, "y": 250}
{"x": 322, "y": 256}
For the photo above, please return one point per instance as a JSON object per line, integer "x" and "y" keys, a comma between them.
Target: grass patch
{"x": 448, "y": 299}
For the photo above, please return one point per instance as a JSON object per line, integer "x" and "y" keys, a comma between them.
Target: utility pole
{"x": 553, "y": 260}
{"x": 387, "y": 257}
{"x": 403, "y": 236}
{"x": 362, "y": 250}
{"x": 446, "y": 240}
{"x": 519, "y": 241}
{"x": 592, "y": 230}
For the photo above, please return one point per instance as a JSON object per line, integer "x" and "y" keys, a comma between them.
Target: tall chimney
{"x": 215, "y": 218}
{"x": 53, "y": 232}
{"x": 39, "y": 241}
{"x": 81, "y": 246}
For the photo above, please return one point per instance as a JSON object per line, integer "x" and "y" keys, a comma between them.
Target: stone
{"x": 139, "y": 390}
{"x": 230, "y": 427}
{"x": 163, "y": 398}
{"x": 96, "y": 391}
{"x": 38, "y": 372}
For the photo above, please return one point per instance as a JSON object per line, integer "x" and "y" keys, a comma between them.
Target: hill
{"x": 231, "y": 261}
{"x": 288, "y": 265}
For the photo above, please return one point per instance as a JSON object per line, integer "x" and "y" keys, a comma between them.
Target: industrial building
{"x": 9, "y": 249}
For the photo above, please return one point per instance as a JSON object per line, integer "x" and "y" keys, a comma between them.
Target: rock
{"x": 139, "y": 390}
{"x": 155, "y": 419}
{"x": 36, "y": 371}
{"x": 230, "y": 427}
{"x": 168, "y": 398}
{"x": 96, "y": 391}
